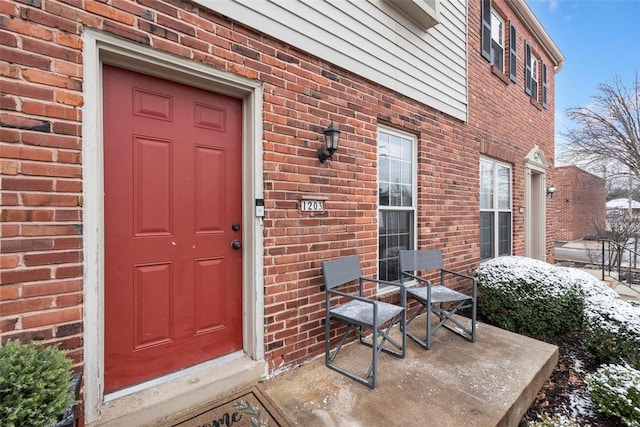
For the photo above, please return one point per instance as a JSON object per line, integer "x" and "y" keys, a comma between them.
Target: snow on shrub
{"x": 529, "y": 297}
{"x": 521, "y": 294}
{"x": 615, "y": 389}
{"x": 555, "y": 420}
{"x": 611, "y": 324}
{"x": 612, "y": 330}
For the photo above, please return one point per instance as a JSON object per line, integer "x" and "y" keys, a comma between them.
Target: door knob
{"x": 236, "y": 244}
{"x": 235, "y": 226}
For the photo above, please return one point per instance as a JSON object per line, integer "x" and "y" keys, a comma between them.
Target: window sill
{"x": 498, "y": 73}
{"x": 536, "y": 104}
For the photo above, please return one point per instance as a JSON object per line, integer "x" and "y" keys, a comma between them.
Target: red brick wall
{"x": 41, "y": 77}
{"x": 580, "y": 201}
{"x": 504, "y": 121}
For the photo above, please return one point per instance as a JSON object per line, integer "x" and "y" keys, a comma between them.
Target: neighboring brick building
{"x": 580, "y": 203}
{"x": 109, "y": 205}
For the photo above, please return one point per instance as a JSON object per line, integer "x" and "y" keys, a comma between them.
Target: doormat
{"x": 249, "y": 407}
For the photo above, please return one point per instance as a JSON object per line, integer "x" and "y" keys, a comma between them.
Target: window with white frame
{"x": 396, "y": 199}
{"x": 497, "y": 40}
{"x": 495, "y": 209}
{"x": 535, "y": 76}
{"x": 496, "y": 37}
{"x": 535, "y": 64}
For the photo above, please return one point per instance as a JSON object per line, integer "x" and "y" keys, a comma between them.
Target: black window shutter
{"x": 485, "y": 33}
{"x": 544, "y": 85}
{"x": 527, "y": 68}
{"x": 512, "y": 52}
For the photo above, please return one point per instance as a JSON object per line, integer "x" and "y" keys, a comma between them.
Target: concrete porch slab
{"x": 491, "y": 382}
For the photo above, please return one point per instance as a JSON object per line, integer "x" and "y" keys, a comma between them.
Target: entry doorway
{"x": 173, "y": 226}
{"x": 536, "y": 205}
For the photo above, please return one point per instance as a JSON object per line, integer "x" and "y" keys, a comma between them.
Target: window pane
{"x": 504, "y": 187}
{"x": 395, "y": 147}
{"x": 486, "y": 185}
{"x": 486, "y": 235}
{"x": 504, "y": 233}
{"x": 395, "y": 171}
{"x": 406, "y": 173}
{"x": 383, "y": 169}
{"x": 407, "y": 150}
{"x": 383, "y": 193}
{"x": 382, "y": 270}
{"x": 496, "y": 28}
{"x": 397, "y": 235}
{"x": 534, "y": 68}
{"x": 383, "y": 144}
{"x": 498, "y": 55}
{"x": 407, "y": 196}
{"x": 395, "y": 195}
{"x": 382, "y": 244}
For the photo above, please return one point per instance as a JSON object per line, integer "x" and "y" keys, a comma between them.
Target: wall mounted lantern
{"x": 331, "y": 136}
{"x": 551, "y": 190}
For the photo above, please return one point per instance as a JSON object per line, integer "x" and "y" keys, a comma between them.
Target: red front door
{"x": 173, "y": 184}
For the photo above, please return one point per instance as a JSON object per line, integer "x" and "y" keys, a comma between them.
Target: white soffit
{"x": 425, "y": 13}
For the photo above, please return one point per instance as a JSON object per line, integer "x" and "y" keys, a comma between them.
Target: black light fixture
{"x": 551, "y": 190}
{"x": 331, "y": 136}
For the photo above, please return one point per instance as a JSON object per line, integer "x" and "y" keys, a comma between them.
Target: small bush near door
{"x": 529, "y": 297}
{"x": 34, "y": 385}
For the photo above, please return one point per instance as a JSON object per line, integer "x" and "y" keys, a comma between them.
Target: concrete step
{"x": 491, "y": 382}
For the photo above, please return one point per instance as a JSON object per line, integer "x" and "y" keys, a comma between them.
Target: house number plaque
{"x": 311, "y": 205}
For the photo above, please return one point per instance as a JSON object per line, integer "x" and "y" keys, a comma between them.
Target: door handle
{"x": 235, "y": 244}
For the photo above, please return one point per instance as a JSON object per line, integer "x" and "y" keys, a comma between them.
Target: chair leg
{"x": 344, "y": 337}
{"x": 378, "y": 333}
{"x": 374, "y": 363}
{"x": 407, "y": 322}
{"x": 386, "y": 336}
{"x": 448, "y": 316}
{"x": 473, "y": 320}
{"x": 443, "y": 317}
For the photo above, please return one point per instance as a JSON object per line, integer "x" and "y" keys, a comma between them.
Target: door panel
{"x": 173, "y": 283}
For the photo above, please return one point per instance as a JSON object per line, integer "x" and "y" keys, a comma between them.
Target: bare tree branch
{"x": 607, "y": 131}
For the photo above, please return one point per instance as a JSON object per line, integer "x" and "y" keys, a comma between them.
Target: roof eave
{"x": 530, "y": 20}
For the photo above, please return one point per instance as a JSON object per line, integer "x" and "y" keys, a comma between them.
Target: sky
{"x": 600, "y": 40}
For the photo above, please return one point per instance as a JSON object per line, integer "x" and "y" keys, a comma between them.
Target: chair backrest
{"x": 421, "y": 260}
{"x": 340, "y": 271}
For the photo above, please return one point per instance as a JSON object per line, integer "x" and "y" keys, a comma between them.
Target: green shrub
{"x": 34, "y": 384}
{"x": 612, "y": 331}
{"x": 615, "y": 389}
{"x": 529, "y": 297}
{"x": 611, "y": 324}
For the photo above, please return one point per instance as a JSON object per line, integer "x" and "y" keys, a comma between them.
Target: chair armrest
{"x": 455, "y": 273}
{"x": 464, "y": 276}
{"x": 384, "y": 282}
{"x": 352, "y": 296}
{"x": 418, "y": 278}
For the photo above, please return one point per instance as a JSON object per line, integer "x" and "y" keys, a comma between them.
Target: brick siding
{"x": 41, "y": 116}
{"x": 580, "y": 203}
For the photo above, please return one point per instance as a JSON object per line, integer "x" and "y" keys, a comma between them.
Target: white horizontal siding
{"x": 372, "y": 39}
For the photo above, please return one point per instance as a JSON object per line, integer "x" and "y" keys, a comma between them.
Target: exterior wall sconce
{"x": 551, "y": 190}
{"x": 331, "y": 136}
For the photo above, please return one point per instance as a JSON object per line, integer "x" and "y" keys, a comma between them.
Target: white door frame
{"x": 535, "y": 235}
{"x": 99, "y": 48}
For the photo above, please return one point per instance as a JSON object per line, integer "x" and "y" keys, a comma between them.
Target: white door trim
{"x": 99, "y": 48}
{"x": 535, "y": 174}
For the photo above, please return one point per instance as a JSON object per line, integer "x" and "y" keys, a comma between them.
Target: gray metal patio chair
{"x": 438, "y": 299}
{"x": 360, "y": 314}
